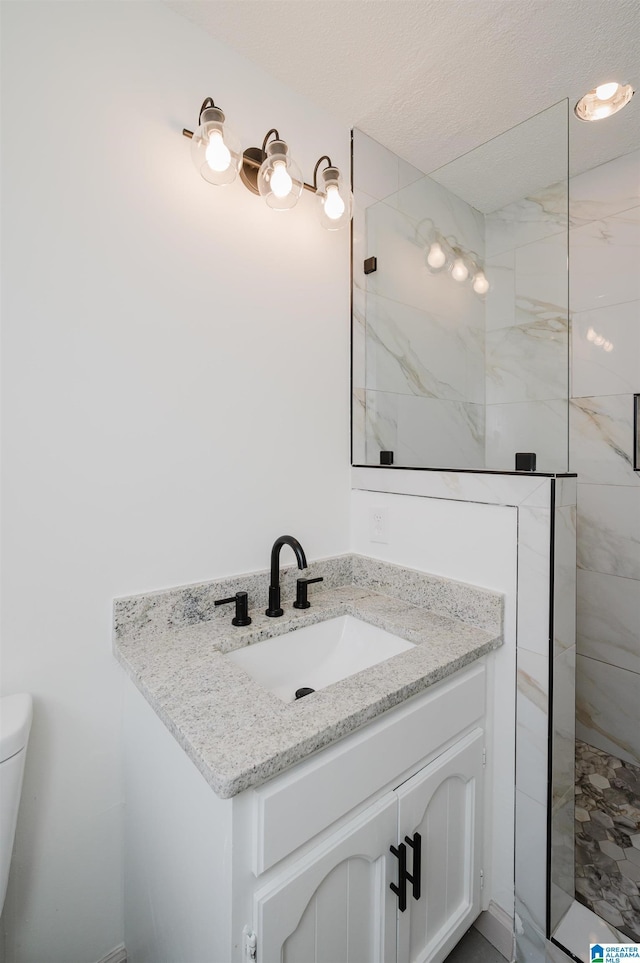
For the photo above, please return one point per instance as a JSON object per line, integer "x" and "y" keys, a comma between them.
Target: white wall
{"x": 476, "y": 543}
{"x": 176, "y": 376}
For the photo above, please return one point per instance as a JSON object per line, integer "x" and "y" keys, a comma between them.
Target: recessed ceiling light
{"x": 603, "y": 101}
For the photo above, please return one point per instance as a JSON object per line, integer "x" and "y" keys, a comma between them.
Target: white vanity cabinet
{"x": 301, "y": 868}
{"x": 337, "y": 905}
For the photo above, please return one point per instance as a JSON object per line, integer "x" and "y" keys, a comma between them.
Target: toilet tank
{"x": 15, "y": 724}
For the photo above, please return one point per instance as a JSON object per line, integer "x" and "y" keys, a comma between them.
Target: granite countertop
{"x": 237, "y": 733}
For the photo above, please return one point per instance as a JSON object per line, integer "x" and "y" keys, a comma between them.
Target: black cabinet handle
{"x": 401, "y": 889}
{"x": 414, "y": 878}
{"x": 242, "y": 608}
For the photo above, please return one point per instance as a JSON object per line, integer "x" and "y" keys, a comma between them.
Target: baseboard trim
{"x": 117, "y": 955}
{"x": 496, "y": 926}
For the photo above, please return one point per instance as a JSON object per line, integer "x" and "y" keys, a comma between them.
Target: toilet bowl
{"x": 15, "y": 723}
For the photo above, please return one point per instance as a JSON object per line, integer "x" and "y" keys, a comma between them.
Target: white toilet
{"x": 15, "y": 723}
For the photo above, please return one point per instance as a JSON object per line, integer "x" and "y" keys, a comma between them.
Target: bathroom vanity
{"x": 346, "y": 826}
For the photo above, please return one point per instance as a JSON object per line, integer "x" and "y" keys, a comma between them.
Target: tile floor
{"x": 577, "y": 930}
{"x": 608, "y": 838}
{"x": 473, "y": 948}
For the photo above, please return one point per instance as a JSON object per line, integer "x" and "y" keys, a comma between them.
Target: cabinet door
{"x": 334, "y": 905}
{"x": 443, "y": 803}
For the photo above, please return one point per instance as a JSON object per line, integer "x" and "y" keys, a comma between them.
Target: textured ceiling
{"x": 433, "y": 79}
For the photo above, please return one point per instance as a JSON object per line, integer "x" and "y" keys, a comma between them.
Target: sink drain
{"x": 305, "y": 690}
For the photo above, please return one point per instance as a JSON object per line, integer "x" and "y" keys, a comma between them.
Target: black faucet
{"x": 274, "y": 609}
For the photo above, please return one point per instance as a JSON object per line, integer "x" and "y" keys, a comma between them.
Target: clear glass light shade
{"x": 335, "y": 200}
{"x": 215, "y": 149}
{"x": 603, "y": 101}
{"x": 280, "y": 180}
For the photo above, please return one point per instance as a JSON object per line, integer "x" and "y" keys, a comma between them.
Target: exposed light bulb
{"x": 217, "y": 154}
{"x": 606, "y": 91}
{"x": 459, "y": 270}
{"x": 280, "y": 182}
{"x": 334, "y": 206}
{"x": 608, "y": 346}
{"x": 480, "y": 283}
{"x": 436, "y": 256}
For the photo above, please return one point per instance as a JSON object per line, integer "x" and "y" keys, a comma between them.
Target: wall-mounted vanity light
{"x": 215, "y": 148}
{"x": 443, "y": 255}
{"x": 269, "y": 171}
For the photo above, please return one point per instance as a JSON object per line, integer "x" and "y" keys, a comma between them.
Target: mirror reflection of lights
{"x": 443, "y": 256}
{"x": 459, "y": 270}
{"x": 436, "y": 258}
{"x": 599, "y": 340}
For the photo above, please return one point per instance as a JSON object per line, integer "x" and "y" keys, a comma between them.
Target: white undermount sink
{"x": 317, "y": 656}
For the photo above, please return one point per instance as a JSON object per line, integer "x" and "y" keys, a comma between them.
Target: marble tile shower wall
{"x": 419, "y": 371}
{"x": 605, "y": 299}
{"x": 545, "y": 686}
{"x": 527, "y": 331}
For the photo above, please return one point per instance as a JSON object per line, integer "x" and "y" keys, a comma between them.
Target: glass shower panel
{"x": 424, "y": 334}
{"x": 445, "y": 375}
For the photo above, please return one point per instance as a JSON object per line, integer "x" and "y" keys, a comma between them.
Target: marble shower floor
{"x": 608, "y": 838}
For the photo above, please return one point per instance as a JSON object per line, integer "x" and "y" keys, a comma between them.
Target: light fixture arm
{"x": 267, "y": 136}
{"x": 207, "y": 102}
{"x": 314, "y": 187}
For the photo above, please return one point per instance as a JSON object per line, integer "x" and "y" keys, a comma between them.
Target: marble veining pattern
{"x": 609, "y": 529}
{"x": 527, "y": 362}
{"x": 604, "y": 261}
{"x": 436, "y": 432}
{"x": 501, "y": 298}
{"x": 493, "y": 489}
{"x": 424, "y": 334}
{"x": 532, "y": 724}
{"x": 238, "y": 734}
{"x": 609, "y": 189}
{"x": 608, "y": 838}
{"x": 602, "y": 440}
{"x": 607, "y": 708}
{"x": 381, "y": 424}
{"x": 539, "y": 426}
{"x": 402, "y": 339}
{"x": 605, "y": 347}
{"x": 541, "y": 280}
{"x": 564, "y": 723}
{"x": 564, "y": 582}
{"x": 531, "y": 219}
{"x": 531, "y": 860}
{"x": 562, "y": 868}
{"x": 608, "y": 622}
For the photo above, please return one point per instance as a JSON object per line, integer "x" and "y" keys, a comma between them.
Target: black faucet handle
{"x": 242, "y": 608}
{"x": 302, "y": 602}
